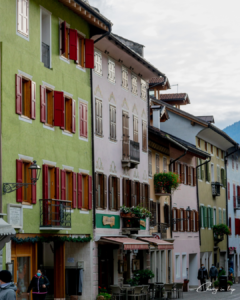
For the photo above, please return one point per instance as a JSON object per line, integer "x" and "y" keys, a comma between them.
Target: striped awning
{"x": 128, "y": 244}
{"x": 162, "y": 245}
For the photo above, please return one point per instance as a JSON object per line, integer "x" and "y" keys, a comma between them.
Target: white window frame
{"x": 98, "y": 62}
{"x": 81, "y": 101}
{"x": 218, "y": 174}
{"x": 157, "y": 158}
{"x": 164, "y": 164}
{"x": 111, "y": 71}
{"x": 149, "y": 163}
{"x": 134, "y": 84}
{"x": 212, "y": 173}
{"x": 19, "y": 32}
{"x": 50, "y": 51}
{"x": 61, "y": 56}
{"x": 78, "y": 66}
{"x": 143, "y": 90}
{"x": 184, "y": 264}
{"x": 125, "y": 78}
{"x": 177, "y": 264}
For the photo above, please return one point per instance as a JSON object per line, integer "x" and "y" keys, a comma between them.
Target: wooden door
{"x": 59, "y": 270}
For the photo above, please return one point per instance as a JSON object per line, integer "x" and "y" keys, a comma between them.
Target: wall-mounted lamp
{"x": 106, "y": 52}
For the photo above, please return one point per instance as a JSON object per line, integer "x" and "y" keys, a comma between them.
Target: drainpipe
{"x": 173, "y": 161}
{"x": 92, "y": 124}
{"x": 199, "y": 229}
{"x": 226, "y": 189}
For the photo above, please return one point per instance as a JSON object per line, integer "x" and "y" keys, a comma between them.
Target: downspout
{"x": 92, "y": 124}
{"x": 226, "y": 190}
{"x": 173, "y": 161}
{"x": 199, "y": 229}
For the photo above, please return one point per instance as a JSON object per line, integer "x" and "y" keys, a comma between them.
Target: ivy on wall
{"x": 48, "y": 239}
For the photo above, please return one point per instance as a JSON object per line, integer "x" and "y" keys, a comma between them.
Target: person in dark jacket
{"x": 7, "y": 287}
{"x": 213, "y": 273}
{"x": 38, "y": 285}
{"x": 202, "y": 276}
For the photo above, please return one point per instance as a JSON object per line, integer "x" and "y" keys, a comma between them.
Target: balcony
{"x": 236, "y": 202}
{"x": 161, "y": 228}
{"x": 131, "y": 154}
{"x": 216, "y": 188}
{"x": 55, "y": 214}
{"x": 130, "y": 223}
{"x": 46, "y": 55}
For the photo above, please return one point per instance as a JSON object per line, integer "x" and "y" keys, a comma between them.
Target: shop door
{"x": 105, "y": 266}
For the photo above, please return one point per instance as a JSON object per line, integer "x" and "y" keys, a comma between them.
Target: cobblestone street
{"x": 193, "y": 294}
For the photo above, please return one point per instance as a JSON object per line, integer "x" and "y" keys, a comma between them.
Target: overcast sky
{"x": 195, "y": 43}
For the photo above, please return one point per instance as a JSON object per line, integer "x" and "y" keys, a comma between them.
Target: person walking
{"x": 38, "y": 285}
{"x": 202, "y": 276}
{"x": 7, "y": 287}
{"x": 213, "y": 273}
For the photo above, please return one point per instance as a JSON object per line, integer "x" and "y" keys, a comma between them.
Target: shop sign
{"x": 15, "y": 215}
{"x": 109, "y": 221}
{"x": 143, "y": 223}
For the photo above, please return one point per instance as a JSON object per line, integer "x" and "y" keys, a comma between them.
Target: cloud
{"x": 195, "y": 43}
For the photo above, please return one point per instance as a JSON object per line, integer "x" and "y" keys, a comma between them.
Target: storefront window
{"x": 23, "y": 277}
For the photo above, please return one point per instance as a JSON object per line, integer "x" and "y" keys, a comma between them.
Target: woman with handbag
{"x": 38, "y": 285}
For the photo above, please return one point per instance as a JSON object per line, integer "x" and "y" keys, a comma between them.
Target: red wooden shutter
{"x": 89, "y": 192}
{"x": 57, "y": 183}
{"x": 228, "y": 186}
{"x": 34, "y": 188}
{"x": 63, "y": 34}
{"x": 89, "y": 54}
{"x": 42, "y": 104}
{"x": 230, "y": 225}
{"x": 79, "y": 190}
{"x": 81, "y": 114}
{"x": 74, "y": 201}
{"x": 59, "y": 111}
{"x": 85, "y": 133}
{"x": 73, "y": 44}
{"x": 19, "y": 180}
{"x": 73, "y": 116}
{"x": 33, "y": 100}
{"x": 18, "y": 92}
{"x": 236, "y": 226}
{"x": 63, "y": 184}
{"x": 45, "y": 181}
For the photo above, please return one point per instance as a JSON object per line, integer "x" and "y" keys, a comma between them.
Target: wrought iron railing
{"x": 46, "y": 55}
{"x": 55, "y": 213}
{"x": 134, "y": 151}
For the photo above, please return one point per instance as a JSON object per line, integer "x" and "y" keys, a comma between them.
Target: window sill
{"x": 27, "y": 206}
{"x": 49, "y": 127}
{"x": 125, "y": 88}
{"x": 99, "y": 136}
{"x": 64, "y": 59}
{"x": 80, "y": 68}
{"x": 25, "y": 119}
{"x": 112, "y": 140}
{"x": 22, "y": 35}
{"x": 83, "y": 138}
{"x": 98, "y": 74}
{"x": 84, "y": 212}
{"x": 65, "y": 132}
{"x": 112, "y": 82}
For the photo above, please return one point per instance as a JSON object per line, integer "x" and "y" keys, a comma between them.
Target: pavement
{"x": 198, "y": 295}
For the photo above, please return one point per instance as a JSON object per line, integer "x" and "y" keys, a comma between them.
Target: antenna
{"x": 175, "y": 85}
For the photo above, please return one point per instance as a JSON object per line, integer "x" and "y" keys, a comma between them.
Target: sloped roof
{"x": 118, "y": 36}
{"x": 175, "y": 97}
{"x": 159, "y": 81}
{"x": 209, "y": 119}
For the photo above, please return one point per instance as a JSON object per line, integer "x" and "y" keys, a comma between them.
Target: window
{"x": 165, "y": 168}
{"x": 191, "y": 176}
{"x": 124, "y": 78}
{"x": 212, "y": 173}
{"x": 222, "y": 154}
{"x": 64, "y": 40}
{"x": 80, "y": 51}
{"x": 144, "y": 136}
{"x": 143, "y": 90}
{"x": 47, "y": 108}
{"x": 101, "y": 190}
{"x": 209, "y": 217}
{"x": 145, "y": 195}
{"x": 135, "y": 129}
{"x": 137, "y": 186}
{"x": 46, "y": 38}
{"x": 181, "y": 222}
{"x": 202, "y": 217}
{"x": 113, "y": 122}
{"x": 25, "y": 97}
{"x": 98, "y": 117}
{"x": 218, "y": 174}
{"x": 125, "y": 131}
{"x": 212, "y": 149}
{"x": 84, "y": 190}
{"x": 220, "y": 215}
{"x": 217, "y": 152}
{"x": 177, "y": 264}
{"x": 232, "y": 161}
{"x": 223, "y": 179}
{"x": 236, "y": 162}
{"x": 98, "y": 62}
{"x": 195, "y": 221}
{"x": 199, "y": 142}
{"x": 179, "y": 169}
{"x": 134, "y": 84}
{"x": 157, "y": 163}
{"x": 175, "y": 219}
{"x": 224, "y": 216}
{"x": 83, "y": 120}
{"x": 26, "y": 194}
{"x": 214, "y": 216}
{"x": 111, "y": 70}
{"x": 184, "y": 265}
{"x": 185, "y": 174}
{"x": 69, "y": 114}
{"x": 188, "y": 221}
{"x": 206, "y": 146}
{"x": 23, "y": 17}
{"x": 149, "y": 163}
{"x": 114, "y": 193}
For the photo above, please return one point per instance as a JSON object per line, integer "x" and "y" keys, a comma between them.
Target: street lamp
{"x": 35, "y": 172}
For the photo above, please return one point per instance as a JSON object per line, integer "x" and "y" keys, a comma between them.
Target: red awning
{"x": 128, "y": 244}
{"x": 162, "y": 245}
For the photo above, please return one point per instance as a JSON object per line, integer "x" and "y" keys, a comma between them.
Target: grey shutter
{"x": 105, "y": 192}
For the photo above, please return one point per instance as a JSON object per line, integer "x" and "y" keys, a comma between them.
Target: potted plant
{"x": 142, "y": 276}
{"x": 216, "y": 284}
{"x": 166, "y": 182}
{"x": 125, "y": 211}
{"x": 135, "y": 212}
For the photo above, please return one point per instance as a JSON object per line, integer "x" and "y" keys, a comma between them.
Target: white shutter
{"x": 22, "y": 18}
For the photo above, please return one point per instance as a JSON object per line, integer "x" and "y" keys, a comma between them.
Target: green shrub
{"x": 221, "y": 229}
{"x": 229, "y": 282}
{"x": 216, "y": 283}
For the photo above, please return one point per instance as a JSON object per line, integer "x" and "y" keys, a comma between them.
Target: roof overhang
{"x": 98, "y": 23}
{"x": 160, "y": 86}
{"x": 126, "y": 243}
{"x": 129, "y": 58}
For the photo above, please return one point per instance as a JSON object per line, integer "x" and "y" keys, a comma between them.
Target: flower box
{"x": 128, "y": 215}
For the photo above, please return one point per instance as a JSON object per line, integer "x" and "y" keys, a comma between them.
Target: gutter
{"x": 197, "y": 191}
{"x": 92, "y": 125}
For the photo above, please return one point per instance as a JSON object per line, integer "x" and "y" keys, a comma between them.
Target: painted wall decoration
{"x": 109, "y": 221}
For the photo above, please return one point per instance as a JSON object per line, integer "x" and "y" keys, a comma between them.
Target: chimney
{"x": 156, "y": 116}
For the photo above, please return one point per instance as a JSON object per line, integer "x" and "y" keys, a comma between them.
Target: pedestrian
{"x": 7, "y": 287}
{"x": 213, "y": 273}
{"x": 202, "y": 276}
{"x": 38, "y": 285}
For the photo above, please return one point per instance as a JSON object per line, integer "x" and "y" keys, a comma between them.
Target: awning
{"x": 162, "y": 245}
{"x": 6, "y": 233}
{"x": 128, "y": 244}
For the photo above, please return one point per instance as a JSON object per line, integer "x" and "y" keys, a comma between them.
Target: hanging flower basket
{"x": 166, "y": 182}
